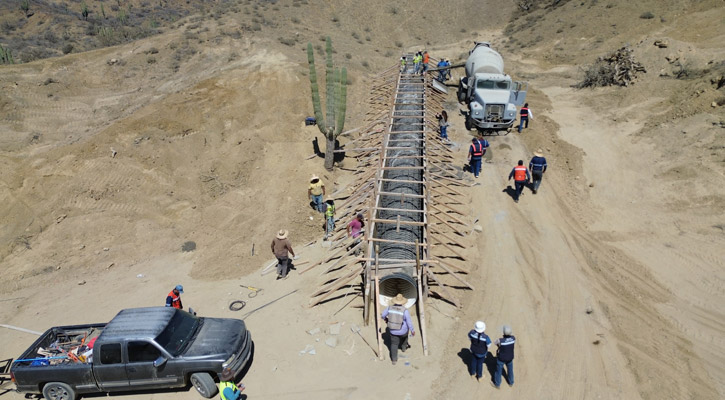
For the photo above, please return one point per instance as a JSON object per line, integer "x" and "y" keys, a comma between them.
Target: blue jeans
{"x": 476, "y": 364}
{"x": 475, "y": 165}
{"x": 524, "y": 120}
{"x": 444, "y": 132}
{"x": 509, "y": 372}
{"x": 519, "y": 188}
{"x": 536, "y": 178}
{"x": 416, "y": 68}
{"x": 330, "y": 226}
{"x": 319, "y": 204}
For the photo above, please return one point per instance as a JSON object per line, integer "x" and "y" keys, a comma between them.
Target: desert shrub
{"x": 365, "y": 64}
{"x": 393, "y": 10}
{"x": 367, "y": 29}
{"x": 151, "y": 60}
{"x": 355, "y": 35}
{"x": 50, "y": 36}
{"x": 647, "y": 15}
{"x": 67, "y": 48}
{"x": 295, "y": 20}
{"x": 368, "y": 38}
{"x": 398, "y": 44}
{"x": 286, "y": 41}
{"x": 348, "y": 56}
{"x": 335, "y": 18}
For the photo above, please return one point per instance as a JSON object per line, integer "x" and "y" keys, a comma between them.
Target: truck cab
{"x": 491, "y": 95}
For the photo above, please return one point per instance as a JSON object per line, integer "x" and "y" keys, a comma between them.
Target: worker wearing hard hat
{"x": 174, "y": 297}
{"x": 479, "y": 348}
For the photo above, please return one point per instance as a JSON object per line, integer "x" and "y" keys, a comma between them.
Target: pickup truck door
{"x": 518, "y": 93}
{"x": 108, "y": 367}
{"x": 143, "y": 374}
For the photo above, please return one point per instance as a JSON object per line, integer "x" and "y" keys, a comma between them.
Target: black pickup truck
{"x": 141, "y": 348}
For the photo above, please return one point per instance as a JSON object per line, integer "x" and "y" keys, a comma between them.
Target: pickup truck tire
{"x": 58, "y": 391}
{"x": 204, "y": 384}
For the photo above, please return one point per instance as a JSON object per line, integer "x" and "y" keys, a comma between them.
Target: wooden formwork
{"x": 444, "y": 226}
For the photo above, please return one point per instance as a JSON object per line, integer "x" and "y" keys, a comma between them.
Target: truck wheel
{"x": 204, "y": 384}
{"x": 468, "y": 123}
{"x": 58, "y": 391}
{"x": 461, "y": 95}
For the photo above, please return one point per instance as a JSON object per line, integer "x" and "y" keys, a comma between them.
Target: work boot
{"x": 395, "y": 362}
{"x": 279, "y": 276}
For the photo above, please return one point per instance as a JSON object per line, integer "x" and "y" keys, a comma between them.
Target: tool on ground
{"x": 356, "y": 329}
{"x": 237, "y": 305}
{"x": 265, "y": 305}
{"x": 254, "y": 290}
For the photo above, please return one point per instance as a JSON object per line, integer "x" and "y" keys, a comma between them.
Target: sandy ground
{"x": 621, "y": 226}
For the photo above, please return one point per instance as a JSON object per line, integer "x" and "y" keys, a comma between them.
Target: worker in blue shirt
{"x": 537, "y": 165}
{"x": 399, "y": 324}
{"x": 228, "y": 390}
{"x": 479, "y": 349}
{"x": 521, "y": 177}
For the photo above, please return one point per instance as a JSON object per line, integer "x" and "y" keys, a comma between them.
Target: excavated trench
{"x": 404, "y": 151}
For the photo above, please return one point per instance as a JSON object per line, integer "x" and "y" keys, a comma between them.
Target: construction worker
{"x": 521, "y": 176}
{"x": 525, "y": 114}
{"x": 479, "y": 349}
{"x": 330, "y": 218}
{"x": 537, "y": 165}
{"x": 281, "y": 247}
{"x": 228, "y": 390}
{"x": 417, "y": 58}
{"x": 505, "y": 356}
{"x": 316, "y": 193}
{"x": 443, "y": 124}
{"x": 355, "y": 231}
{"x": 174, "y": 297}
{"x": 475, "y": 155}
{"x": 399, "y": 324}
{"x": 426, "y": 59}
{"x": 403, "y": 61}
{"x": 441, "y": 72}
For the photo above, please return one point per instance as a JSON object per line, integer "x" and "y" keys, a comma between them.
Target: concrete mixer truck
{"x": 490, "y": 94}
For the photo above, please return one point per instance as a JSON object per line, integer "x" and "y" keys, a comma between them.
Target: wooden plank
{"x": 421, "y": 300}
{"x": 443, "y": 288}
{"x": 341, "y": 283}
{"x": 398, "y": 222}
{"x": 336, "y": 263}
{"x": 449, "y": 215}
{"x": 458, "y": 278}
{"x": 446, "y": 223}
{"x": 378, "y": 316}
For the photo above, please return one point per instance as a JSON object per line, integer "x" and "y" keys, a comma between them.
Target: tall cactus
{"x": 333, "y": 121}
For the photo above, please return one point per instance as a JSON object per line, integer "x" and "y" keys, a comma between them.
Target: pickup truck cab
{"x": 142, "y": 348}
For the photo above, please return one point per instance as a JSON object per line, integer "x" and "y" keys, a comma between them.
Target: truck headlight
{"x": 229, "y": 361}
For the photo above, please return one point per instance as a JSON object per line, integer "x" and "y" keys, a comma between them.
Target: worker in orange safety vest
{"x": 174, "y": 297}
{"x": 521, "y": 177}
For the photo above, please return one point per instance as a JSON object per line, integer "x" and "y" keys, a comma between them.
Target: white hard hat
{"x": 480, "y": 326}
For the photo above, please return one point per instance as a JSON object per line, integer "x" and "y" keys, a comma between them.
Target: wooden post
{"x": 378, "y": 313}
{"x": 421, "y": 300}
{"x": 366, "y": 295}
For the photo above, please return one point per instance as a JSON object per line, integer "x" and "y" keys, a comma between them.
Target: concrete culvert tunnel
{"x": 402, "y": 280}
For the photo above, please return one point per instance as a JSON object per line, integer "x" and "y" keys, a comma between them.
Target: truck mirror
{"x": 160, "y": 361}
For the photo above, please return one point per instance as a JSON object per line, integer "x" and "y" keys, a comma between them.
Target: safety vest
{"x": 506, "y": 348}
{"x": 402, "y": 62}
{"x": 476, "y": 149}
{"x": 330, "y": 212}
{"x": 519, "y": 173}
{"x": 175, "y": 300}
{"x": 479, "y": 342}
{"x": 417, "y": 59}
{"x": 525, "y": 112}
{"x": 396, "y": 316}
{"x": 223, "y": 385}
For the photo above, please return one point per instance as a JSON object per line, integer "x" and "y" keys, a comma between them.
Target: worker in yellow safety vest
{"x": 228, "y": 390}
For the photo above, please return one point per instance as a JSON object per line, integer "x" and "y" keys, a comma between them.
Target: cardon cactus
{"x": 333, "y": 121}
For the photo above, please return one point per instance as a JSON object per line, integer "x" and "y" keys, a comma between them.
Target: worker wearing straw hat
{"x": 537, "y": 165}
{"x": 399, "y": 324}
{"x": 316, "y": 193}
{"x": 281, "y": 247}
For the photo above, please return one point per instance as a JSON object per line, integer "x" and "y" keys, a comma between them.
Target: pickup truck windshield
{"x": 498, "y": 85}
{"x": 178, "y": 333}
